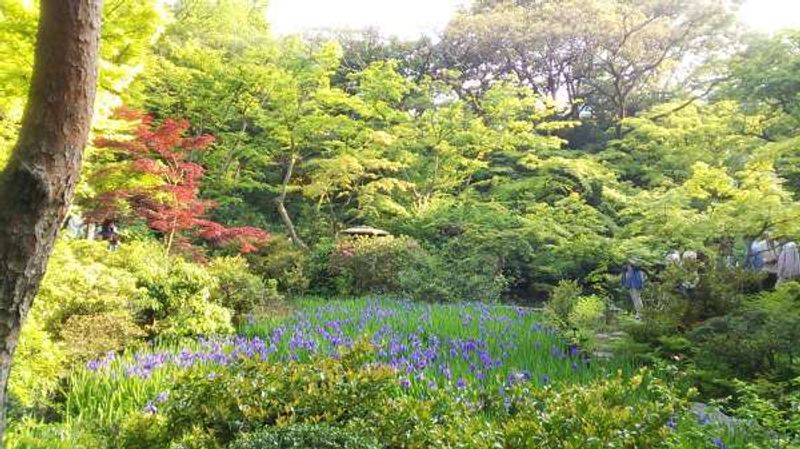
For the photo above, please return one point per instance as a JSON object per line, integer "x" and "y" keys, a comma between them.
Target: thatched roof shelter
{"x": 365, "y": 231}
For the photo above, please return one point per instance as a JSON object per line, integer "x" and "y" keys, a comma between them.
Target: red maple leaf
{"x": 172, "y": 207}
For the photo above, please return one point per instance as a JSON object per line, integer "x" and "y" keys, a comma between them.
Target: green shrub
{"x": 250, "y": 395}
{"x": 79, "y": 282}
{"x": 90, "y": 336}
{"x": 717, "y": 291}
{"x": 458, "y": 270}
{"x": 775, "y": 408}
{"x": 759, "y": 339}
{"x": 143, "y": 431}
{"x": 424, "y": 280}
{"x": 195, "y": 316}
{"x": 618, "y": 412}
{"x": 238, "y": 289}
{"x": 304, "y": 436}
{"x": 588, "y": 312}
{"x": 284, "y": 262}
{"x": 37, "y": 367}
{"x": 562, "y": 300}
{"x": 31, "y": 434}
{"x": 317, "y": 264}
{"x": 179, "y": 302}
{"x": 440, "y": 419}
{"x": 372, "y": 264}
{"x": 102, "y": 294}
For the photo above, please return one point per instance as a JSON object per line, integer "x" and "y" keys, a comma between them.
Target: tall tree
{"x": 37, "y": 185}
{"x": 611, "y": 56}
{"x": 362, "y": 47}
{"x": 126, "y": 35}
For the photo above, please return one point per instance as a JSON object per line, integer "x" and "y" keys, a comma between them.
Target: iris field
{"x": 474, "y": 353}
{"x": 470, "y": 346}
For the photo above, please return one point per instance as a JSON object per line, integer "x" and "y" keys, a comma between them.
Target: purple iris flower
{"x": 544, "y": 379}
{"x": 150, "y": 408}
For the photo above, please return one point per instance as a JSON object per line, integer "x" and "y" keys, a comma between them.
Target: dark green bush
{"x": 437, "y": 278}
{"x": 304, "y": 436}
{"x": 760, "y": 339}
{"x": 716, "y": 291}
{"x": 562, "y": 301}
{"x": 238, "y": 289}
{"x": 284, "y": 262}
{"x": 372, "y": 264}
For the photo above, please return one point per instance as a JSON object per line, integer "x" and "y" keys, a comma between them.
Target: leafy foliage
{"x": 170, "y": 204}
{"x": 304, "y": 437}
{"x": 372, "y": 265}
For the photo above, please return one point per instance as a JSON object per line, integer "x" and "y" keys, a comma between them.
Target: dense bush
{"x": 758, "y": 340}
{"x": 439, "y": 278}
{"x": 93, "y": 301}
{"x": 400, "y": 265}
{"x": 238, "y": 289}
{"x": 304, "y": 436}
{"x": 83, "y": 280}
{"x": 90, "y": 336}
{"x": 588, "y": 312}
{"x": 558, "y": 419}
{"x": 290, "y": 404}
{"x": 135, "y": 284}
{"x": 32, "y": 434}
{"x": 774, "y": 407}
{"x": 38, "y": 364}
{"x": 372, "y": 264}
{"x": 254, "y": 394}
{"x": 723, "y": 334}
{"x": 284, "y": 262}
{"x": 562, "y": 301}
{"x": 179, "y": 302}
{"x": 578, "y": 315}
{"x": 692, "y": 292}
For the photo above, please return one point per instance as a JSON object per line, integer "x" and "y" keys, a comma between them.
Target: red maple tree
{"x": 172, "y": 207}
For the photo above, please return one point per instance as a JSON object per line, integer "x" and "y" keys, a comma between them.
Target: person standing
{"x": 633, "y": 279}
{"x": 788, "y": 263}
{"x": 75, "y": 226}
{"x": 673, "y": 258}
{"x": 108, "y": 232}
{"x": 764, "y": 258}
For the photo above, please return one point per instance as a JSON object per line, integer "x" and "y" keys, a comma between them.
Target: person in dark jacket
{"x": 633, "y": 279}
{"x": 108, "y": 231}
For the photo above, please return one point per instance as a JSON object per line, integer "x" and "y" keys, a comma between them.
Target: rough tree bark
{"x": 37, "y": 185}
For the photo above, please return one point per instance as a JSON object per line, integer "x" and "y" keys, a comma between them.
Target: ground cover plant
{"x": 464, "y": 346}
{"x": 356, "y": 364}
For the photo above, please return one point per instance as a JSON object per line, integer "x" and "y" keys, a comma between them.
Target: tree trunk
{"x": 37, "y": 185}
{"x": 280, "y": 203}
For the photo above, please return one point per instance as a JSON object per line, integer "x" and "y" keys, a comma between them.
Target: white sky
{"x": 404, "y": 18}
{"x": 411, "y": 18}
{"x": 771, "y": 15}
